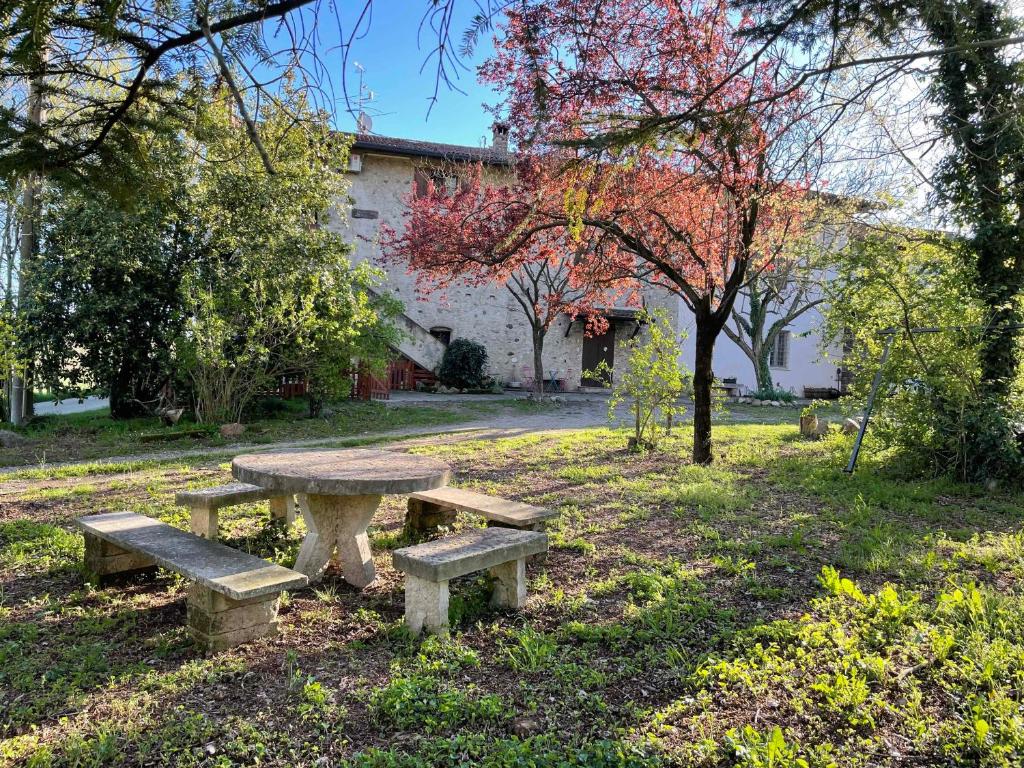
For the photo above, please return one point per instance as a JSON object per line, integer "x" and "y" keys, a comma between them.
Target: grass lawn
{"x": 765, "y": 612}
{"x": 93, "y": 434}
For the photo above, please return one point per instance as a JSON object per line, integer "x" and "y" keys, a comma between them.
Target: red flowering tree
{"x": 449, "y": 238}
{"x": 695, "y": 214}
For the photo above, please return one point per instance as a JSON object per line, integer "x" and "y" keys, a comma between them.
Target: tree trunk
{"x": 538, "y": 361}
{"x": 762, "y": 371}
{"x": 975, "y": 88}
{"x": 703, "y": 380}
{"x": 21, "y": 396}
{"x": 123, "y": 403}
{"x": 1000, "y": 288}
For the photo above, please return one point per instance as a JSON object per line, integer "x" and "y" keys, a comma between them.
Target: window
{"x": 444, "y": 335}
{"x": 444, "y": 182}
{"x": 778, "y": 357}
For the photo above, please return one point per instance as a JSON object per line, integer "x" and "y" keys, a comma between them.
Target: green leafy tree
{"x": 918, "y": 287}
{"x": 104, "y": 306}
{"x": 217, "y": 276}
{"x": 977, "y": 84}
{"x": 272, "y": 291}
{"x": 652, "y": 379}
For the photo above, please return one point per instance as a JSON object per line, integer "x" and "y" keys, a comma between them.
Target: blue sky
{"x": 392, "y": 60}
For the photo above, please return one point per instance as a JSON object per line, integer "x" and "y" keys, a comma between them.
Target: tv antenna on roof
{"x": 364, "y": 124}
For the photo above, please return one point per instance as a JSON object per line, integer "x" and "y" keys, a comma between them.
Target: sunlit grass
{"x": 685, "y": 615}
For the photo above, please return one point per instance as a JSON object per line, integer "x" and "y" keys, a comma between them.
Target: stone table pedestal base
{"x": 337, "y": 525}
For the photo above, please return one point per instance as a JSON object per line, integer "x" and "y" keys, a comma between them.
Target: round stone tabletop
{"x": 352, "y": 472}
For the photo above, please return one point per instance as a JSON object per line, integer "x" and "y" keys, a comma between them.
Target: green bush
{"x": 463, "y": 365}
{"x": 930, "y": 406}
{"x": 774, "y": 393}
{"x": 652, "y": 380}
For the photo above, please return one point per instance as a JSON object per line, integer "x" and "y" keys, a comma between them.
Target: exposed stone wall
{"x": 488, "y": 315}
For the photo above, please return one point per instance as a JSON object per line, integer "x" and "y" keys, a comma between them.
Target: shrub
{"x": 653, "y": 380}
{"x": 930, "y": 406}
{"x": 463, "y": 365}
{"x": 774, "y": 393}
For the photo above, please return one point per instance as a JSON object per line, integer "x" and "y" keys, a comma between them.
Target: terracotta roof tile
{"x": 408, "y": 147}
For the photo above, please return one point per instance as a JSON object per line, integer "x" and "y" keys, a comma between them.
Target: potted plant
{"x": 810, "y": 426}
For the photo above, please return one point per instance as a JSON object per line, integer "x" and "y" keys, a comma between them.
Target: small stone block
{"x": 423, "y": 518}
{"x": 240, "y": 617}
{"x": 103, "y": 560}
{"x": 426, "y": 605}
{"x": 509, "y": 584}
{"x": 225, "y": 640}
{"x": 283, "y": 508}
{"x": 204, "y": 522}
{"x": 214, "y": 602}
{"x": 218, "y": 622}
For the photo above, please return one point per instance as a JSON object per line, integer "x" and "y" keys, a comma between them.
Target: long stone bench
{"x": 429, "y": 567}
{"x": 235, "y": 595}
{"x": 204, "y": 503}
{"x": 429, "y": 509}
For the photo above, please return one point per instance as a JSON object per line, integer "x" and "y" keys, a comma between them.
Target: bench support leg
{"x": 509, "y": 584}
{"x": 204, "y": 522}
{"x": 283, "y": 508}
{"x": 103, "y": 560}
{"x": 217, "y": 622}
{"x": 426, "y": 605}
{"x": 338, "y": 523}
{"x": 423, "y": 518}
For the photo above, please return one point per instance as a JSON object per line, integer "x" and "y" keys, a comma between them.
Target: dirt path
{"x": 571, "y": 415}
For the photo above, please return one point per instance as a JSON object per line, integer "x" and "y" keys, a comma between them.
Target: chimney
{"x": 499, "y": 133}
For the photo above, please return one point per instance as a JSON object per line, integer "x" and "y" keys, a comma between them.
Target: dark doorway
{"x": 596, "y": 349}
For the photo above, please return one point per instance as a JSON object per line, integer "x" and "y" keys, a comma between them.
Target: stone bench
{"x": 429, "y": 567}
{"x": 235, "y": 595}
{"x": 429, "y": 509}
{"x": 204, "y": 503}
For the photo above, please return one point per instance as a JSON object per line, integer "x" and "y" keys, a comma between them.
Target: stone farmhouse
{"x": 383, "y": 171}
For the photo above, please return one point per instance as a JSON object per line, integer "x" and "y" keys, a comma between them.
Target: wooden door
{"x": 596, "y": 349}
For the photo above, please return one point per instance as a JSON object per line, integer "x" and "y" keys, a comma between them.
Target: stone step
{"x": 235, "y": 574}
{"x": 223, "y": 496}
{"x": 514, "y": 514}
{"x": 476, "y": 550}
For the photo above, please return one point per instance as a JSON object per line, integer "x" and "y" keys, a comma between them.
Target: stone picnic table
{"x": 343, "y": 489}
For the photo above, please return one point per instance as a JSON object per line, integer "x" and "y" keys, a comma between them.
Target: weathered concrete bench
{"x": 429, "y": 509}
{"x": 205, "y": 502}
{"x": 429, "y": 567}
{"x": 235, "y": 595}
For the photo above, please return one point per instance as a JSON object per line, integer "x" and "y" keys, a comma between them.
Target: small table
{"x": 343, "y": 490}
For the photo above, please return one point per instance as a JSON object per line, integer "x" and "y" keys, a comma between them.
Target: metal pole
{"x": 870, "y": 403}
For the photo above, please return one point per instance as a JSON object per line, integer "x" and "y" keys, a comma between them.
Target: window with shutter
{"x": 420, "y": 178}
{"x": 446, "y": 183}
{"x": 779, "y": 355}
